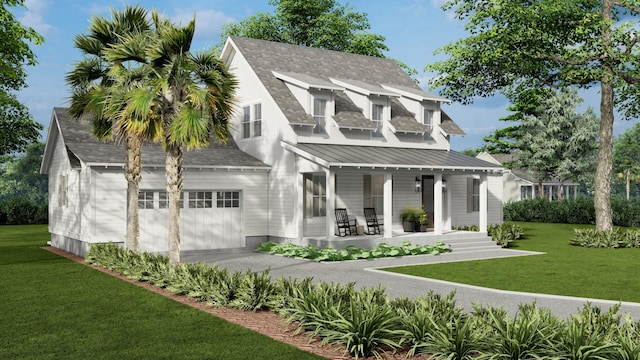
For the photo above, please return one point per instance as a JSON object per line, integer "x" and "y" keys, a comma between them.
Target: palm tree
{"x": 190, "y": 96}
{"x": 98, "y": 87}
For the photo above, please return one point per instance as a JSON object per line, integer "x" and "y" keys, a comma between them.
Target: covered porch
{"x": 452, "y": 188}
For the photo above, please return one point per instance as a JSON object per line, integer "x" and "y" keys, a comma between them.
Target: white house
{"x": 519, "y": 184}
{"x": 225, "y": 193}
{"x": 315, "y": 130}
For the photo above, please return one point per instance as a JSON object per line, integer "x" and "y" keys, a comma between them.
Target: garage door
{"x": 209, "y": 220}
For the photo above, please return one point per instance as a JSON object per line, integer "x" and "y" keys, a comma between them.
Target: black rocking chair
{"x": 344, "y": 223}
{"x": 372, "y": 221}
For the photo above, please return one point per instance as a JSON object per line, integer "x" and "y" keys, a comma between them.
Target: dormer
{"x": 316, "y": 97}
{"x": 374, "y": 101}
{"x": 425, "y": 106}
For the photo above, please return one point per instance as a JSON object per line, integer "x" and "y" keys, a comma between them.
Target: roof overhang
{"x": 306, "y": 81}
{"x": 363, "y": 88}
{"x": 415, "y": 94}
{"x": 350, "y": 156}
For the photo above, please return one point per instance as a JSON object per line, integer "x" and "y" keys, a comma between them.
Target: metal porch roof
{"x": 389, "y": 157}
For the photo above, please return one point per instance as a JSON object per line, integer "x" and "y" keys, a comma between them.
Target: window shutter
{"x": 469, "y": 195}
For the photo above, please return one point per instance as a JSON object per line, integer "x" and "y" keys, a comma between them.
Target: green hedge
{"x": 22, "y": 211}
{"x": 580, "y": 211}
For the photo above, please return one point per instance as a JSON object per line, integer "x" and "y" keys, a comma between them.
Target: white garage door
{"x": 208, "y": 220}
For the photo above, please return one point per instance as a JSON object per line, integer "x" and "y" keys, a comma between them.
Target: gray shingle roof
{"x": 367, "y": 156}
{"x": 449, "y": 126}
{"x": 266, "y": 56}
{"x": 83, "y": 146}
{"x": 348, "y": 115}
{"x": 416, "y": 92}
{"x": 403, "y": 120}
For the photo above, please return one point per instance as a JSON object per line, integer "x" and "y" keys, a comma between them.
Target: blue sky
{"x": 413, "y": 29}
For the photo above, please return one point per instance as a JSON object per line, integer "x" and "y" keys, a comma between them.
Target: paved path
{"x": 366, "y": 273}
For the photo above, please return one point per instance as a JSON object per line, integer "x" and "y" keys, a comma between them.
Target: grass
{"x": 54, "y": 308}
{"x": 564, "y": 269}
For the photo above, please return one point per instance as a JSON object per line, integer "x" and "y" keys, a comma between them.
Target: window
{"x": 257, "y": 120}
{"x": 163, "y": 200}
{"x": 200, "y": 199}
{"x": 319, "y": 115}
{"x": 315, "y": 197}
{"x": 145, "y": 200}
{"x": 473, "y": 195}
{"x": 377, "y": 119}
{"x": 373, "y": 194}
{"x": 63, "y": 187}
{"x": 526, "y": 192}
{"x": 246, "y": 122}
{"x": 228, "y": 199}
{"x": 427, "y": 121}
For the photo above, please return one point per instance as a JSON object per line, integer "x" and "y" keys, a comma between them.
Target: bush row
{"x": 351, "y": 252}
{"x": 579, "y": 211}
{"x": 367, "y": 322}
{"x": 613, "y": 239}
{"x": 22, "y": 211}
{"x": 502, "y": 234}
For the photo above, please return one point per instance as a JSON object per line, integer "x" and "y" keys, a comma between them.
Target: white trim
{"x": 388, "y": 205}
{"x": 359, "y": 89}
{"x": 290, "y": 78}
{"x": 425, "y": 97}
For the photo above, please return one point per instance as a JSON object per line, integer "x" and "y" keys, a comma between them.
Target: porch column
{"x": 330, "y": 204}
{"x": 483, "y": 202}
{"x": 388, "y": 205}
{"x": 299, "y": 213}
{"x": 437, "y": 204}
{"x": 447, "y": 198}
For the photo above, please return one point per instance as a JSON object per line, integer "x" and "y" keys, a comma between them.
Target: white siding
{"x": 457, "y": 185}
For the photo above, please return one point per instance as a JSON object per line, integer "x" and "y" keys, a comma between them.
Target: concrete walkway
{"x": 366, "y": 273}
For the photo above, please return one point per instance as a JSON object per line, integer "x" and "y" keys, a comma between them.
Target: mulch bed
{"x": 263, "y": 322}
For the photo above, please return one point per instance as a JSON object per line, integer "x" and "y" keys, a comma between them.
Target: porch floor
{"x": 456, "y": 238}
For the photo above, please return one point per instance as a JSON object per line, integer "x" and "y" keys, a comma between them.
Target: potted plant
{"x": 421, "y": 223}
{"x": 409, "y": 216}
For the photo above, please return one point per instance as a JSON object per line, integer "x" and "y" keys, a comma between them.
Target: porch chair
{"x": 372, "y": 221}
{"x": 343, "y": 222}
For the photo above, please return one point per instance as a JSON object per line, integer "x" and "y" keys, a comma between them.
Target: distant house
{"x": 315, "y": 130}
{"x": 519, "y": 184}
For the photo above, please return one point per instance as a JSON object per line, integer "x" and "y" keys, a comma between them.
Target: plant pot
{"x": 420, "y": 227}
{"x": 408, "y": 226}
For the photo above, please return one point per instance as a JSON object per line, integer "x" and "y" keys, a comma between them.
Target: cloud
{"x": 35, "y": 15}
{"x": 208, "y": 22}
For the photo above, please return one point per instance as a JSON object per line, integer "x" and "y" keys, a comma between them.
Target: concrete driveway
{"x": 367, "y": 273}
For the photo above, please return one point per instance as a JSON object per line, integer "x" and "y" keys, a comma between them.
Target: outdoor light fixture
{"x": 444, "y": 185}
{"x": 418, "y": 184}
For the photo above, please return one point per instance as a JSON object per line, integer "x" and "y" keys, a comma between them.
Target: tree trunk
{"x": 133, "y": 174}
{"x": 174, "y": 188}
{"x": 540, "y": 190}
{"x": 602, "y": 198}
{"x": 628, "y": 185}
{"x": 561, "y": 191}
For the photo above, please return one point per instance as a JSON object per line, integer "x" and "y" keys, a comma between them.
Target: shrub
{"x": 502, "y": 234}
{"x": 255, "y": 291}
{"x": 22, "y": 211}
{"x": 365, "y": 326}
{"x": 351, "y": 252}
{"x": 617, "y": 238}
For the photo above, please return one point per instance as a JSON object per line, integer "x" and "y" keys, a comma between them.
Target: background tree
{"x": 523, "y": 104}
{"x": 21, "y": 177}
{"x": 17, "y": 127}
{"x": 559, "y": 142}
{"x": 98, "y": 88}
{"x": 191, "y": 96}
{"x": 323, "y": 24}
{"x": 626, "y": 157}
{"x": 573, "y": 42}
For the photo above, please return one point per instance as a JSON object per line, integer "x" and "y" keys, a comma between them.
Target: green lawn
{"x": 564, "y": 269}
{"x": 54, "y": 308}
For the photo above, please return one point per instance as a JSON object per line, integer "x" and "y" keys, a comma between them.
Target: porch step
{"x": 468, "y": 243}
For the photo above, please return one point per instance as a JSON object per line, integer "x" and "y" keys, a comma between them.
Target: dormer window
{"x": 377, "y": 118}
{"x": 252, "y": 121}
{"x": 427, "y": 121}
{"x": 319, "y": 115}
